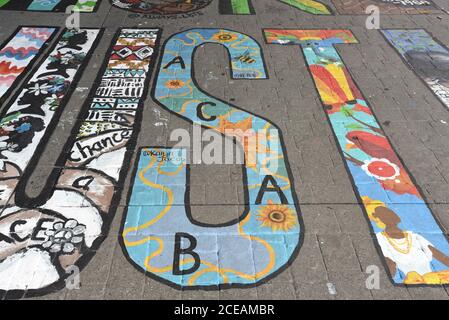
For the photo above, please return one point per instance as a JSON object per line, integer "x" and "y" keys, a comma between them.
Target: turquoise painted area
{"x": 43, "y": 5}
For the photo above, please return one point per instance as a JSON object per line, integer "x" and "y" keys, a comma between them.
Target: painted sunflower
{"x": 224, "y": 37}
{"x": 278, "y": 217}
{"x": 174, "y": 84}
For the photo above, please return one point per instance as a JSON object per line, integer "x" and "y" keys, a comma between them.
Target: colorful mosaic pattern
{"x": 410, "y": 239}
{"x": 425, "y": 56}
{"x": 238, "y": 7}
{"x": 18, "y": 54}
{"x": 49, "y": 5}
{"x": 27, "y": 258}
{"x": 160, "y": 237}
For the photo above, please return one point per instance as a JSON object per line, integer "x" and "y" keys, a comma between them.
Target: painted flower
{"x": 381, "y": 169}
{"x": 224, "y": 37}
{"x": 24, "y": 127}
{"x": 38, "y": 89}
{"x": 58, "y": 86}
{"x": 174, "y": 84}
{"x": 51, "y": 102}
{"x": 278, "y": 217}
{"x": 63, "y": 237}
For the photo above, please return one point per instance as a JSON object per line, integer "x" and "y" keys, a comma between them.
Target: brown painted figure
{"x": 405, "y": 251}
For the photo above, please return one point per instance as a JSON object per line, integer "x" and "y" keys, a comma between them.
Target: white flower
{"x": 40, "y": 89}
{"x": 66, "y": 58}
{"x": 50, "y": 100}
{"x": 64, "y": 236}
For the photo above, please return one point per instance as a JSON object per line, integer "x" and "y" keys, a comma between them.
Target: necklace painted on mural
{"x": 397, "y": 243}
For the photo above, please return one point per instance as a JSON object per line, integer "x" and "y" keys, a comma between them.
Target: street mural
{"x": 49, "y": 5}
{"x": 43, "y": 237}
{"x": 237, "y": 7}
{"x": 425, "y": 56}
{"x": 37, "y": 242}
{"x": 414, "y": 247}
{"x": 159, "y": 235}
{"x": 18, "y": 53}
{"x": 386, "y": 6}
{"x": 161, "y": 7}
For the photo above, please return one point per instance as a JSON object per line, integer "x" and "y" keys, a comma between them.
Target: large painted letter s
{"x": 159, "y": 234}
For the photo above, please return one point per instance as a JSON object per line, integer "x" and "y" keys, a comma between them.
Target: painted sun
{"x": 174, "y": 84}
{"x": 224, "y": 37}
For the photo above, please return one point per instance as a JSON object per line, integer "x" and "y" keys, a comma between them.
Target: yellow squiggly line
{"x": 258, "y": 275}
{"x": 157, "y": 218}
{"x": 211, "y": 267}
{"x": 267, "y": 171}
{"x": 185, "y": 104}
{"x": 169, "y": 193}
{"x": 169, "y": 173}
{"x": 238, "y": 41}
{"x": 265, "y": 244}
{"x": 173, "y": 53}
{"x": 172, "y": 95}
{"x": 186, "y": 43}
{"x": 191, "y": 36}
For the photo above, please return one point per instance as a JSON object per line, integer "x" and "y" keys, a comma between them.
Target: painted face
{"x": 387, "y": 216}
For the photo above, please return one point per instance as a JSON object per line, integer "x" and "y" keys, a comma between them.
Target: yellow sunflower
{"x": 278, "y": 217}
{"x": 224, "y": 37}
{"x": 174, "y": 84}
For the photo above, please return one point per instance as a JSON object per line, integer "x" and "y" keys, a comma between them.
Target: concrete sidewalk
{"x": 339, "y": 243}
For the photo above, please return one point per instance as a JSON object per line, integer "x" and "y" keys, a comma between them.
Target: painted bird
{"x": 378, "y": 147}
{"x": 373, "y": 145}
